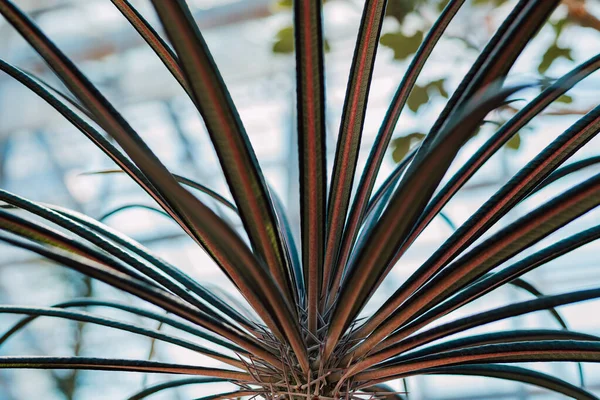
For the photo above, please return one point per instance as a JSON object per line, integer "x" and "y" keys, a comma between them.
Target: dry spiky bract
{"x": 306, "y": 340}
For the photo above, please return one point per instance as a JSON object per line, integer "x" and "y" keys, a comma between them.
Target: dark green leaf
{"x": 418, "y": 97}
{"x": 153, "y": 39}
{"x": 479, "y": 319}
{"x": 514, "y": 142}
{"x": 548, "y": 351}
{"x": 399, "y": 9}
{"x": 155, "y": 296}
{"x": 553, "y": 53}
{"x": 245, "y": 180}
{"x": 565, "y": 171}
{"x": 402, "y": 145}
{"x": 565, "y": 99}
{"x": 495, "y": 3}
{"x": 284, "y": 41}
{"x": 403, "y": 45}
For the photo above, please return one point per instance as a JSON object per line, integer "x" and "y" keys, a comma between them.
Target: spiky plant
{"x": 307, "y": 340}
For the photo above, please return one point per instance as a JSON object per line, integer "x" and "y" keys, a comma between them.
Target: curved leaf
{"x": 423, "y": 176}
{"x": 153, "y": 39}
{"x": 126, "y": 207}
{"x": 155, "y": 296}
{"x": 479, "y": 319}
{"x": 170, "y": 385}
{"x": 84, "y": 232}
{"x": 44, "y": 235}
{"x": 122, "y": 326}
{"x": 497, "y": 206}
{"x": 163, "y": 319}
{"x": 105, "y": 364}
{"x": 185, "y": 181}
{"x": 508, "y": 130}
{"x": 526, "y": 335}
{"x": 508, "y": 274}
{"x": 551, "y": 350}
{"x": 367, "y": 181}
{"x": 489, "y": 254}
{"x": 565, "y": 171}
{"x": 515, "y": 374}
{"x": 236, "y": 155}
{"x": 161, "y": 264}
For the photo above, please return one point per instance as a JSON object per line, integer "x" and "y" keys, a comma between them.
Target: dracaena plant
{"x": 306, "y": 339}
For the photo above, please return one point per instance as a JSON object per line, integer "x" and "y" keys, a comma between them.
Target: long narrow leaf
{"x": 515, "y": 374}
{"x": 162, "y": 50}
{"x": 479, "y": 319}
{"x": 126, "y": 207}
{"x": 161, "y": 264}
{"x": 171, "y": 385}
{"x": 239, "y": 163}
{"x": 42, "y": 234}
{"x": 489, "y": 254}
{"x": 566, "y": 171}
{"x": 349, "y": 137}
{"x": 155, "y": 296}
{"x": 496, "y": 142}
{"x": 384, "y": 135}
{"x": 551, "y": 350}
{"x": 525, "y": 335}
{"x": 105, "y": 364}
{"x": 108, "y": 148}
{"x": 223, "y": 244}
{"x": 184, "y": 181}
{"x": 122, "y": 326}
{"x": 310, "y": 90}
{"x": 166, "y": 280}
{"x": 497, "y": 58}
{"x": 493, "y": 281}
{"x": 497, "y": 206}
{"x": 162, "y": 318}
{"x": 422, "y": 177}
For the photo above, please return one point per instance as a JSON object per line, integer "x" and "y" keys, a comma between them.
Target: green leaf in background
{"x": 284, "y": 41}
{"x": 403, "y": 45}
{"x": 495, "y": 3}
{"x": 559, "y": 25}
{"x": 399, "y": 9}
{"x": 553, "y": 53}
{"x": 514, "y": 143}
{"x": 284, "y": 4}
{"x": 565, "y": 98}
{"x": 420, "y": 95}
{"x": 438, "y": 85}
{"x": 417, "y": 98}
{"x": 402, "y": 145}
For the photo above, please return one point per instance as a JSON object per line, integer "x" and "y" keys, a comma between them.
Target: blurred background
{"x": 45, "y": 159}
